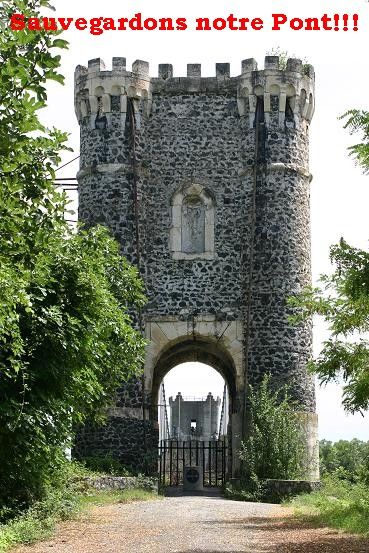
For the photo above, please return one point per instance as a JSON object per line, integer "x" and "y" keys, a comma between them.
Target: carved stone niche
{"x": 192, "y": 229}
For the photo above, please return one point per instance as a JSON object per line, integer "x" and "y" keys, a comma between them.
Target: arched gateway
{"x": 205, "y": 183}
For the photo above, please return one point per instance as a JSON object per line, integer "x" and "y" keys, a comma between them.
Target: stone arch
{"x": 116, "y": 90}
{"x": 274, "y": 90}
{"x": 200, "y": 350}
{"x": 132, "y": 92}
{"x": 258, "y": 90}
{"x": 206, "y": 340}
{"x": 291, "y": 96}
{"x": 99, "y": 91}
{"x": 193, "y": 219}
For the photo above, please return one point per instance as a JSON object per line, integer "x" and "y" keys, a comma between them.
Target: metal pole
{"x": 216, "y": 463}
{"x": 160, "y": 462}
{"x": 209, "y": 463}
{"x": 170, "y": 462}
{"x": 203, "y": 463}
{"x": 179, "y": 415}
{"x": 177, "y": 453}
{"x": 183, "y": 459}
{"x": 224, "y": 461}
{"x": 164, "y": 461}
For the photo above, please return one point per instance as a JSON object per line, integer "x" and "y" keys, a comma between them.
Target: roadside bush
{"x": 274, "y": 447}
{"x": 59, "y": 493}
{"x": 107, "y": 465}
{"x": 68, "y": 495}
{"x": 247, "y": 490}
{"x": 339, "y": 504}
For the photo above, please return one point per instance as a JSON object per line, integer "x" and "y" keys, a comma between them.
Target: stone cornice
{"x": 278, "y": 167}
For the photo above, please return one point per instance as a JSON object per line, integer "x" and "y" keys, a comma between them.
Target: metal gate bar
{"x": 203, "y": 466}
{"x": 209, "y": 463}
{"x": 177, "y": 455}
{"x": 216, "y": 464}
{"x": 174, "y": 455}
{"x": 171, "y": 464}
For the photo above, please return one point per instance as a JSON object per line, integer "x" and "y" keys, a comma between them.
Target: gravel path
{"x": 194, "y": 525}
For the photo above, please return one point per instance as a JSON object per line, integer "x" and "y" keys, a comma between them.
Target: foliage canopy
{"x": 66, "y": 340}
{"x": 343, "y": 301}
{"x": 347, "y": 460}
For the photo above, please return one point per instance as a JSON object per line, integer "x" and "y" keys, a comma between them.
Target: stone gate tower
{"x": 205, "y": 183}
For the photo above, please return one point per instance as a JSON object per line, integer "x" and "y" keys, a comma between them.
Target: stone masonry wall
{"x": 194, "y": 139}
{"x": 242, "y": 141}
{"x": 131, "y": 441}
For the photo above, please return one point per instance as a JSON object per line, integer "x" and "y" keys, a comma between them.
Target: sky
{"x": 339, "y": 192}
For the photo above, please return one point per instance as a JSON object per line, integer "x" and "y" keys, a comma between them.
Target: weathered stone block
{"x": 165, "y": 71}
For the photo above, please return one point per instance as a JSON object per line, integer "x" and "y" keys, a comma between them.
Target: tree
{"x": 346, "y": 459}
{"x": 274, "y": 447}
{"x": 357, "y": 121}
{"x": 66, "y": 340}
{"x": 343, "y": 301}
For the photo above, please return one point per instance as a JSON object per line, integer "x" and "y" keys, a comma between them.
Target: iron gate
{"x": 174, "y": 455}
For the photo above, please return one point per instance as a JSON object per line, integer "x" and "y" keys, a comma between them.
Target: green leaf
{"x": 60, "y": 43}
{"x": 66, "y": 340}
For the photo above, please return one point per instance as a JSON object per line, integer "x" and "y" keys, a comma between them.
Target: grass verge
{"x": 338, "y": 504}
{"x": 39, "y": 521}
{"x": 115, "y": 496}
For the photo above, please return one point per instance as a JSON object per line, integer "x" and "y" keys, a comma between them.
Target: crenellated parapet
{"x": 287, "y": 93}
{"x": 99, "y": 92}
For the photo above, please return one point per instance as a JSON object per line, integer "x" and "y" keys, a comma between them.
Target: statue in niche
{"x": 193, "y": 225}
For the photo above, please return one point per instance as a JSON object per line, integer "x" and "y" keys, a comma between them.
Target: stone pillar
{"x": 279, "y": 266}
{"x": 110, "y": 106}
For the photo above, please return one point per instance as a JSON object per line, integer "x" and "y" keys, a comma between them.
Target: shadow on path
{"x": 292, "y": 535}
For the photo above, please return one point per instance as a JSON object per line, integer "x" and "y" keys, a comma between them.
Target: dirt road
{"x": 194, "y": 525}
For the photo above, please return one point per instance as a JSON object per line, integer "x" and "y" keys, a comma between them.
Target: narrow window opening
{"x": 289, "y": 116}
{"x": 100, "y": 121}
{"x": 302, "y": 101}
{"x": 259, "y": 113}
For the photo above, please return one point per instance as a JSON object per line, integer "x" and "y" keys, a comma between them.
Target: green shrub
{"x": 63, "y": 500}
{"x": 107, "y": 465}
{"x": 251, "y": 490}
{"x": 339, "y": 504}
{"x": 274, "y": 447}
{"x": 59, "y": 494}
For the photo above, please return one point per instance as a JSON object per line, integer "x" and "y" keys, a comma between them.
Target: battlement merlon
{"x": 293, "y": 85}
